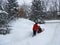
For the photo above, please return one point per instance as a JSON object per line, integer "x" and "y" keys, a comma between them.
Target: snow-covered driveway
{"x": 21, "y": 34}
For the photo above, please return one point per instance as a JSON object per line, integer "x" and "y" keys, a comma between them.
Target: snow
{"x": 21, "y": 33}
{"x": 3, "y": 12}
{"x": 52, "y": 21}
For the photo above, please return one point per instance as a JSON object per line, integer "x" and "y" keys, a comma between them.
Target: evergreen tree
{"x": 4, "y": 27}
{"x": 59, "y": 5}
{"x": 0, "y": 4}
{"x": 36, "y": 9}
{"x": 3, "y": 15}
{"x": 11, "y": 8}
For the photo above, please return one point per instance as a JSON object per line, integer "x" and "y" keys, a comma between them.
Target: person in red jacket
{"x": 35, "y": 28}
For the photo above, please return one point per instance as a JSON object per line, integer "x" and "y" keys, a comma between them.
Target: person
{"x": 35, "y": 28}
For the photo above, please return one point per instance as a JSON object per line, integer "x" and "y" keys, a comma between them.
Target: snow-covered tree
{"x": 59, "y": 5}
{"x": 0, "y": 4}
{"x": 11, "y": 9}
{"x": 3, "y": 15}
{"x": 36, "y": 9}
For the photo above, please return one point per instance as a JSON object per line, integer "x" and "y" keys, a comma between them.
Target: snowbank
{"x": 52, "y": 21}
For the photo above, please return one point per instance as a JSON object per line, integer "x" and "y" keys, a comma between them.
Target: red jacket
{"x": 35, "y": 27}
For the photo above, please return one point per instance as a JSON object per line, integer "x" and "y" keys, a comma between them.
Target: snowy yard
{"x": 21, "y": 33}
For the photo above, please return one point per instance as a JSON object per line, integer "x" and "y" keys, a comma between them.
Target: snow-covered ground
{"x": 21, "y": 33}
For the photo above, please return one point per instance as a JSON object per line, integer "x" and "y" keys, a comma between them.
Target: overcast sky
{"x": 28, "y": 2}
